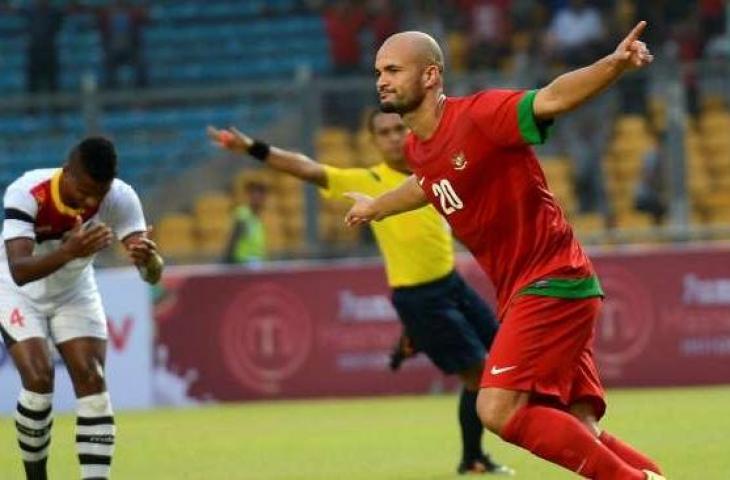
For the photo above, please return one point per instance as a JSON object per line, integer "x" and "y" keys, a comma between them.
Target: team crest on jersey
{"x": 459, "y": 161}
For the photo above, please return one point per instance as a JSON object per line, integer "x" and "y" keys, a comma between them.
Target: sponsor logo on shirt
{"x": 459, "y": 161}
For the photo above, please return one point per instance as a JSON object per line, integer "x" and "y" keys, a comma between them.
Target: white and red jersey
{"x": 34, "y": 209}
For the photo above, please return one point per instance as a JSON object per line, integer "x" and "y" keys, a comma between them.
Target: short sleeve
{"x": 507, "y": 117}
{"x": 20, "y": 209}
{"x": 126, "y": 216}
{"x": 343, "y": 180}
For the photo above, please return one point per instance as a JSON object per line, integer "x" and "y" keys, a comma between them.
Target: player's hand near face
{"x": 142, "y": 252}
{"x": 230, "y": 139}
{"x": 79, "y": 242}
{"x": 83, "y": 241}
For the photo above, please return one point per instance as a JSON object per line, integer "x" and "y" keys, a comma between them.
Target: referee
{"x": 442, "y": 315}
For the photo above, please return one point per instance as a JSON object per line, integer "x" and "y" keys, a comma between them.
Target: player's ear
{"x": 430, "y": 75}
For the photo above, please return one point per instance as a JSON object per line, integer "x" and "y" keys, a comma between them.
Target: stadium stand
{"x": 188, "y": 43}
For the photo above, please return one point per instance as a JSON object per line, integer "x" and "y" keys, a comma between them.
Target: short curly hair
{"x": 98, "y": 158}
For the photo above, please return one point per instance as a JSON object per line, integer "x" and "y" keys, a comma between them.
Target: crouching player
{"x": 56, "y": 220}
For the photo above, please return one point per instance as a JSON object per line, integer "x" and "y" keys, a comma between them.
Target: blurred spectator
{"x": 712, "y": 19}
{"x": 121, "y": 25}
{"x": 248, "y": 239}
{"x": 576, "y": 34}
{"x": 383, "y": 20}
{"x": 585, "y": 134}
{"x": 633, "y": 89}
{"x": 650, "y": 196}
{"x": 344, "y": 21}
{"x": 686, "y": 46}
{"x": 44, "y": 23}
{"x": 428, "y": 16}
{"x": 489, "y": 32}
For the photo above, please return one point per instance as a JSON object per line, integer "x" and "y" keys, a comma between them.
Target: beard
{"x": 402, "y": 106}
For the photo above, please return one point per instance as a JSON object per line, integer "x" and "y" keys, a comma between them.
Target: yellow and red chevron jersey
{"x": 34, "y": 209}
{"x": 52, "y": 218}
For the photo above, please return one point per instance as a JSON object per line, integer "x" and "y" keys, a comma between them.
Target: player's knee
{"x": 490, "y": 412}
{"x": 585, "y": 413}
{"x": 495, "y": 407}
{"x": 38, "y": 379}
{"x": 89, "y": 381}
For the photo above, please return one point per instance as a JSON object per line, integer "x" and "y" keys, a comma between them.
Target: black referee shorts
{"x": 448, "y": 321}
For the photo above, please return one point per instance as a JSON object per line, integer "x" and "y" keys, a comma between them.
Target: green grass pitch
{"x": 686, "y": 430}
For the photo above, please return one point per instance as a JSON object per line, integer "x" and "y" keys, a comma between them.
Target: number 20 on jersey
{"x": 450, "y": 201}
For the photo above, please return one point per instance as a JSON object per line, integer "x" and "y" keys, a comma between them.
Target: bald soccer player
{"x": 442, "y": 315}
{"x": 471, "y": 158}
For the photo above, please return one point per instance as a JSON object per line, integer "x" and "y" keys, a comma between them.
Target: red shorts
{"x": 545, "y": 346}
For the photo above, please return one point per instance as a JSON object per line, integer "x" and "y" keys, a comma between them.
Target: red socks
{"x": 560, "y": 438}
{"x": 628, "y": 454}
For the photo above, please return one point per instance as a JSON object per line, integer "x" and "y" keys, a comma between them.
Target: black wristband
{"x": 259, "y": 150}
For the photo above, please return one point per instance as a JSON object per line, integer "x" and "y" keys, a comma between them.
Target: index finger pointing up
{"x": 636, "y": 32}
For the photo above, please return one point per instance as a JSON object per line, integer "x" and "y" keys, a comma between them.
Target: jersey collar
{"x": 56, "y": 196}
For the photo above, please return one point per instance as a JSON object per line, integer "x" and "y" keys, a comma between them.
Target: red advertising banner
{"x": 325, "y": 330}
{"x": 666, "y": 318}
{"x": 311, "y": 331}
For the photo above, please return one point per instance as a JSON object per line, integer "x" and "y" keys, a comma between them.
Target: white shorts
{"x": 81, "y": 315}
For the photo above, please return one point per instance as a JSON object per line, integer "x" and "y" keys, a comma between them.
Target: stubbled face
{"x": 389, "y": 137}
{"x": 400, "y": 80}
{"x": 80, "y": 191}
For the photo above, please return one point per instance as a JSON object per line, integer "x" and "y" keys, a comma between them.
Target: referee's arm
{"x": 294, "y": 163}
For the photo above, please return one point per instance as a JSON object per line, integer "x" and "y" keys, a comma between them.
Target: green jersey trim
{"x": 532, "y": 131}
{"x": 565, "y": 288}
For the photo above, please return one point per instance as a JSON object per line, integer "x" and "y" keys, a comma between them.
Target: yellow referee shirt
{"x": 417, "y": 246}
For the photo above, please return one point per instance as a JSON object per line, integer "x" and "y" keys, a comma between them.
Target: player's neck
{"x": 424, "y": 121}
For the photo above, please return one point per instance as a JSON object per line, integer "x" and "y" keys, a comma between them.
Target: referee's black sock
{"x": 471, "y": 426}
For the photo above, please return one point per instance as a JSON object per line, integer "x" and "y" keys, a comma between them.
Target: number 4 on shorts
{"x": 16, "y": 318}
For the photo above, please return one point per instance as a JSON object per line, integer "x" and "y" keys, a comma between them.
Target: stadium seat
{"x": 630, "y": 124}
{"x": 588, "y": 223}
{"x": 212, "y": 204}
{"x": 633, "y": 220}
{"x": 175, "y": 236}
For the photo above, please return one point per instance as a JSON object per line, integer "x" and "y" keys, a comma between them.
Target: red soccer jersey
{"x": 479, "y": 170}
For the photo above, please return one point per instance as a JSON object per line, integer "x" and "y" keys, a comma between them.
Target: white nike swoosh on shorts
{"x": 498, "y": 371}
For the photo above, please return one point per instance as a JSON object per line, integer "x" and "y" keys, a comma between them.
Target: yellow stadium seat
{"x": 622, "y": 204}
{"x": 713, "y": 103}
{"x": 175, "y": 235}
{"x": 588, "y": 223}
{"x": 634, "y": 220}
{"x": 212, "y": 203}
{"x": 630, "y": 124}
{"x": 332, "y": 136}
{"x": 714, "y": 122}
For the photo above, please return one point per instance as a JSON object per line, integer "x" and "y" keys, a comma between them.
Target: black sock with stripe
{"x": 95, "y": 433}
{"x": 33, "y": 422}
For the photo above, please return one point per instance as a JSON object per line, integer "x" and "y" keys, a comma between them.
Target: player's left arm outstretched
{"x": 408, "y": 196}
{"x": 573, "y": 89}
